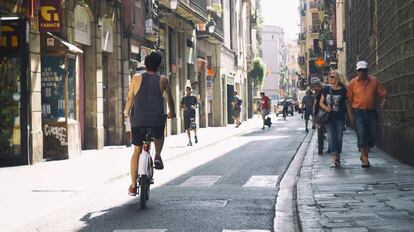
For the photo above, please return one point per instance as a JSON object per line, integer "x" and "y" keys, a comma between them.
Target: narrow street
{"x": 228, "y": 186}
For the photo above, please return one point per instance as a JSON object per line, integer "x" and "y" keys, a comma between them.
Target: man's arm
{"x": 166, "y": 87}
{"x": 130, "y": 96}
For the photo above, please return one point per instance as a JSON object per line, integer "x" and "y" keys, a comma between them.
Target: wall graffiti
{"x": 58, "y": 132}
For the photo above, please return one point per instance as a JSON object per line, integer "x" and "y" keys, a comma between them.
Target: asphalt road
{"x": 229, "y": 186}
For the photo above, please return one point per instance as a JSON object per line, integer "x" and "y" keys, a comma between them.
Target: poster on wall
{"x": 107, "y": 36}
{"x": 82, "y": 25}
{"x": 50, "y": 16}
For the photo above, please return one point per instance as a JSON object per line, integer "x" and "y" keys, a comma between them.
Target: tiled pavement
{"x": 351, "y": 198}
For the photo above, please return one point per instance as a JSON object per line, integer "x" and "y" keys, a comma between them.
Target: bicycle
{"x": 145, "y": 170}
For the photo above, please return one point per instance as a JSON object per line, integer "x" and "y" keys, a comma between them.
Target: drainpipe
{"x": 120, "y": 3}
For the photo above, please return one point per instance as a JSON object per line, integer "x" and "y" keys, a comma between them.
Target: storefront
{"x": 60, "y": 99}
{"x": 13, "y": 94}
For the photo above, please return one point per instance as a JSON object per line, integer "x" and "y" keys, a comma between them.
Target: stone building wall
{"x": 382, "y": 32}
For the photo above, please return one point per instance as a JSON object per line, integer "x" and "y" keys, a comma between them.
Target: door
{"x": 230, "y": 90}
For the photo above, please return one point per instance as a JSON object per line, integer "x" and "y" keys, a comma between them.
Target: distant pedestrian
{"x": 307, "y": 107}
{"x": 264, "y": 107}
{"x": 364, "y": 92}
{"x": 285, "y": 105}
{"x": 334, "y": 100}
{"x": 319, "y": 126}
{"x": 189, "y": 104}
{"x": 236, "y": 103}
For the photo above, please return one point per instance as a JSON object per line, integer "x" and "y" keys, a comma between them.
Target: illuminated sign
{"x": 50, "y": 16}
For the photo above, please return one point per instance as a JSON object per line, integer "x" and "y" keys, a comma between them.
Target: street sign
{"x": 319, "y": 62}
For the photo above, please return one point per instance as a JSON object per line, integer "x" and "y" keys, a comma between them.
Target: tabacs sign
{"x": 50, "y": 16}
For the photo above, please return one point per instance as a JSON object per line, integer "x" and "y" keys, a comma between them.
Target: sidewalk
{"x": 350, "y": 198}
{"x": 32, "y": 192}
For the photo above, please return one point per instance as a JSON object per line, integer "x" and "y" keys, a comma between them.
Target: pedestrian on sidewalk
{"x": 364, "y": 92}
{"x": 320, "y": 127}
{"x": 236, "y": 103}
{"x": 189, "y": 104}
{"x": 307, "y": 107}
{"x": 334, "y": 100}
{"x": 147, "y": 116}
{"x": 264, "y": 108}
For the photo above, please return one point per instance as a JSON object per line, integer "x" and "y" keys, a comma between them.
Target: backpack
{"x": 239, "y": 102}
{"x": 268, "y": 122}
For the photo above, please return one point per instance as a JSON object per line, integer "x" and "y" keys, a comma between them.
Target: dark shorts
{"x": 307, "y": 115}
{"x": 236, "y": 112}
{"x": 187, "y": 122}
{"x": 366, "y": 127}
{"x": 139, "y": 134}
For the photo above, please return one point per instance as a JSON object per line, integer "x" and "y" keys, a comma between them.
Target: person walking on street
{"x": 334, "y": 100}
{"x": 264, "y": 107}
{"x": 319, "y": 126}
{"x": 364, "y": 92}
{"x": 307, "y": 106}
{"x": 189, "y": 104}
{"x": 285, "y": 110}
{"x": 236, "y": 103}
{"x": 146, "y": 95}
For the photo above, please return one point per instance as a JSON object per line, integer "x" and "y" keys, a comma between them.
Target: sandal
{"x": 132, "y": 191}
{"x": 365, "y": 164}
{"x": 158, "y": 163}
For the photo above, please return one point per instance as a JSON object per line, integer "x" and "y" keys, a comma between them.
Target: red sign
{"x": 319, "y": 62}
{"x": 50, "y": 15}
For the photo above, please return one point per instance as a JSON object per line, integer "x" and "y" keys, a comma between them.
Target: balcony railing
{"x": 314, "y": 28}
{"x": 199, "y": 5}
{"x": 301, "y": 36}
{"x": 313, "y": 5}
{"x": 219, "y": 24}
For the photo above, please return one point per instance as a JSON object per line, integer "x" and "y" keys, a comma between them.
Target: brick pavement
{"x": 351, "y": 198}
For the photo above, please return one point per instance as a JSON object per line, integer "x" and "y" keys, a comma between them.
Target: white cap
{"x": 361, "y": 65}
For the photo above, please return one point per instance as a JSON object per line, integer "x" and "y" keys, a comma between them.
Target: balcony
{"x": 314, "y": 28}
{"x": 301, "y": 60}
{"x": 313, "y": 5}
{"x": 301, "y": 37}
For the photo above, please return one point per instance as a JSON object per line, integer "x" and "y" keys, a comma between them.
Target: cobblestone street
{"x": 350, "y": 198}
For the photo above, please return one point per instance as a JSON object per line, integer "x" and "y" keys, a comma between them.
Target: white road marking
{"x": 282, "y": 129}
{"x": 262, "y": 181}
{"x": 200, "y": 181}
{"x": 141, "y": 230}
{"x": 246, "y": 230}
{"x": 300, "y": 129}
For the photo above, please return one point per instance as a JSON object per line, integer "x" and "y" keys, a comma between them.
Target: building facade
{"x": 274, "y": 56}
{"x": 75, "y": 68}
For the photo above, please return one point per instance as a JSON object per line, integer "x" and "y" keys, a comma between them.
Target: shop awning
{"x": 68, "y": 45}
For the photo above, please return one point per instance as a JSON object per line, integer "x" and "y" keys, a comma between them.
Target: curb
{"x": 285, "y": 208}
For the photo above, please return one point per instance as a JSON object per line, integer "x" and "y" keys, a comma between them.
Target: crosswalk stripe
{"x": 200, "y": 181}
{"x": 282, "y": 129}
{"x": 262, "y": 181}
{"x": 246, "y": 230}
{"x": 141, "y": 230}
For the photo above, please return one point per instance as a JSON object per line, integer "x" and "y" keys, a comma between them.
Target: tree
{"x": 257, "y": 74}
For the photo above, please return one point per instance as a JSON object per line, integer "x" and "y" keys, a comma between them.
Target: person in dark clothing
{"x": 146, "y": 95}
{"x": 188, "y": 104}
{"x": 236, "y": 103}
{"x": 307, "y": 106}
{"x": 319, "y": 126}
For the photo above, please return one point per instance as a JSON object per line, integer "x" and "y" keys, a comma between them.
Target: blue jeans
{"x": 335, "y": 131}
{"x": 366, "y": 127}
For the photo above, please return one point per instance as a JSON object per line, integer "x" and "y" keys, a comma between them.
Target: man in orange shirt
{"x": 364, "y": 93}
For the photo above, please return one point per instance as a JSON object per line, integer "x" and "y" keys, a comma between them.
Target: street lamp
{"x": 173, "y": 4}
{"x": 211, "y": 26}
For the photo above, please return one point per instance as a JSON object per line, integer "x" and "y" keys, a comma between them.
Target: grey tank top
{"x": 148, "y": 108}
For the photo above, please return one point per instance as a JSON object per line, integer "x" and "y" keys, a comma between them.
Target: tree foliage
{"x": 257, "y": 74}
